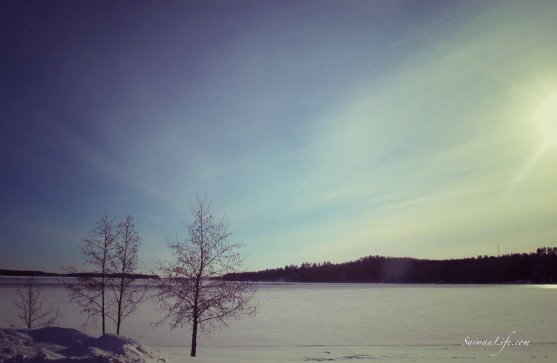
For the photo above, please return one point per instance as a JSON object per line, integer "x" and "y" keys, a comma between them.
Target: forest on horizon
{"x": 537, "y": 267}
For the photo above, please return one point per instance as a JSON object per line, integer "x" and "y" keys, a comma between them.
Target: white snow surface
{"x": 344, "y": 323}
{"x": 57, "y": 345}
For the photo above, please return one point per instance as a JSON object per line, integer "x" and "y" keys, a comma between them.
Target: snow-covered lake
{"x": 343, "y": 322}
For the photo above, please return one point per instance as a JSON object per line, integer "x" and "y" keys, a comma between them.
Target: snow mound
{"x": 62, "y": 345}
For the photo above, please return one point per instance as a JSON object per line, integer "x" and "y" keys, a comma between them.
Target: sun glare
{"x": 547, "y": 120}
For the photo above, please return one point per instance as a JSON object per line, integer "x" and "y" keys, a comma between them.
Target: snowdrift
{"x": 61, "y": 345}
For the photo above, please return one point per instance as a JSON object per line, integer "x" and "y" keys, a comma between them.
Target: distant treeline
{"x": 538, "y": 267}
{"x": 23, "y": 273}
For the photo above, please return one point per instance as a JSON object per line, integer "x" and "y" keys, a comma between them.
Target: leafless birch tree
{"x": 89, "y": 291}
{"x": 124, "y": 263}
{"x": 30, "y": 309}
{"x": 190, "y": 291}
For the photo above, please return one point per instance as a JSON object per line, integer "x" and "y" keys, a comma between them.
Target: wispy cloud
{"x": 323, "y": 131}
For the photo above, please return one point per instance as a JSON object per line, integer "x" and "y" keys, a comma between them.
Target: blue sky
{"x": 325, "y": 130}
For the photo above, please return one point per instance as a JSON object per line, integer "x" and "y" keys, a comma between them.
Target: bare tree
{"x": 124, "y": 263}
{"x": 190, "y": 289}
{"x": 30, "y": 309}
{"x": 89, "y": 290}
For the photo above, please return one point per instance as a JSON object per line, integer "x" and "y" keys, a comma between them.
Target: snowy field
{"x": 350, "y": 322}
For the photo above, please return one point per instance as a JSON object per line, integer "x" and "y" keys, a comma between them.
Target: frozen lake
{"x": 344, "y": 322}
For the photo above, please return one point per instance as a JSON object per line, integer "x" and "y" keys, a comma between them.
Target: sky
{"x": 323, "y": 130}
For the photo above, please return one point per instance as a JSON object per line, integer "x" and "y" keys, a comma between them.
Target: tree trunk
{"x": 28, "y": 322}
{"x": 120, "y": 298}
{"x": 102, "y": 303}
{"x": 118, "y": 327}
{"x": 194, "y": 339}
{"x": 195, "y": 317}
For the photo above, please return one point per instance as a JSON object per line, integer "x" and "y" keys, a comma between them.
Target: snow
{"x": 55, "y": 344}
{"x": 348, "y": 322}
